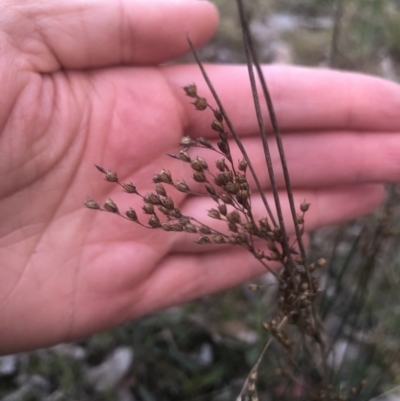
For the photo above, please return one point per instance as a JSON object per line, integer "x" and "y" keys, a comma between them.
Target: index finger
{"x": 304, "y": 99}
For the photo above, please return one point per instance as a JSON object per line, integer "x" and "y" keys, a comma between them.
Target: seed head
{"x": 205, "y": 142}
{"x": 203, "y": 240}
{"x": 165, "y": 177}
{"x": 129, "y": 188}
{"x": 101, "y": 169}
{"x": 223, "y": 147}
{"x": 199, "y": 176}
{"x": 111, "y": 176}
{"x": 164, "y": 210}
{"x": 226, "y": 199}
{"x": 166, "y": 227}
{"x": 232, "y": 187}
{"x": 221, "y": 165}
{"x": 217, "y": 126}
{"x": 177, "y": 227}
{"x": 218, "y": 239}
{"x": 160, "y": 190}
{"x": 190, "y": 228}
{"x": 181, "y": 186}
{"x": 200, "y": 103}
{"x": 214, "y": 214}
{"x": 148, "y": 208}
{"x": 210, "y": 190}
{"x": 196, "y": 165}
{"x": 205, "y": 230}
{"x": 184, "y": 156}
{"x": 92, "y": 204}
{"x": 176, "y": 213}
{"x": 242, "y": 166}
{"x": 167, "y": 202}
{"x": 152, "y": 199}
{"x": 154, "y": 222}
{"x": 222, "y": 209}
{"x": 233, "y": 217}
{"x": 300, "y": 219}
{"x": 190, "y": 90}
{"x": 187, "y": 141}
{"x": 131, "y": 215}
{"x": 304, "y": 206}
{"x": 218, "y": 115}
{"x": 110, "y": 206}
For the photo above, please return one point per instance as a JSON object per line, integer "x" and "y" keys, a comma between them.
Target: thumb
{"x": 82, "y": 34}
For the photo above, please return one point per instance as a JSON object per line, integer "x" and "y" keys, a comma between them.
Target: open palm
{"x": 81, "y": 86}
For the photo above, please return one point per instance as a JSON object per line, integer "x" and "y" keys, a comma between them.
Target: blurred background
{"x": 204, "y": 350}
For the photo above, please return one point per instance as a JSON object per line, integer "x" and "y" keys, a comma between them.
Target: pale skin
{"x": 81, "y": 86}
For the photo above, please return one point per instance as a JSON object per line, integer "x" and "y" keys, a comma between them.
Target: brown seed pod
{"x": 221, "y": 165}
{"x": 217, "y": 126}
{"x": 183, "y": 156}
{"x": 164, "y": 210}
{"x": 152, "y": 199}
{"x": 148, "y": 208}
{"x": 176, "y": 213}
{"x": 234, "y": 240}
{"x": 304, "y": 206}
{"x": 224, "y": 148}
{"x": 214, "y": 214}
{"x": 242, "y": 166}
{"x": 130, "y": 188}
{"x": 205, "y": 142}
{"x": 167, "y": 202}
{"x": 203, "y": 240}
{"x": 154, "y": 222}
{"x": 232, "y": 187}
{"x": 233, "y": 227}
{"x": 218, "y": 115}
{"x": 190, "y": 90}
{"x": 205, "y": 230}
{"x": 190, "y": 228}
{"x": 200, "y": 103}
{"x": 101, "y": 169}
{"x": 110, "y": 206}
{"x": 160, "y": 190}
{"x": 196, "y": 165}
{"x": 181, "y": 186}
{"x": 166, "y": 227}
{"x": 210, "y": 190}
{"x": 165, "y": 177}
{"x": 111, "y": 176}
{"x": 226, "y": 199}
{"x": 199, "y": 176}
{"x": 187, "y": 141}
{"x": 92, "y": 204}
{"x": 177, "y": 227}
{"x": 233, "y": 217}
{"x": 222, "y": 209}
{"x": 218, "y": 239}
{"x": 131, "y": 215}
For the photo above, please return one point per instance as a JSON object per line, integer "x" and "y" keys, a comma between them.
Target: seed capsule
{"x": 167, "y": 202}
{"x": 205, "y": 230}
{"x": 203, "y": 240}
{"x": 219, "y": 239}
{"x": 181, "y": 186}
{"x": 200, "y": 103}
{"x": 148, "y": 208}
{"x": 217, "y": 126}
{"x": 190, "y": 90}
{"x": 110, "y": 206}
{"x": 165, "y": 176}
{"x": 205, "y": 142}
{"x": 152, "y": 199}
{"x": 92, "y": 204}
{"x": 221, "y": 165}
{"x": 184, "y": 156}
{"x": 214, "y": 214}
{"x": 190, "y": 228}
{"x": 154, "y": 221}
{"x": 176, "y": 213}
{"x": 233, "y": 217}
{"x": 111, "y": 176}
{"x": 199, "y": 176}
{"x": 160, "y": 190}
{"x": 222, "y": 209}
{"x": 242, "y": 166}
{"x": 304, "y": 206}
{"x": 131, "y": 215}
{"x": 130, "y": 188}
{"x": 187, "y": 141}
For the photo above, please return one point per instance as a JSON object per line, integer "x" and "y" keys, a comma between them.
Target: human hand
{"x": 81, "y": 87}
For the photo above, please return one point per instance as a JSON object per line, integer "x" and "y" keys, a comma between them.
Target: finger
{"x": 186, "y": 277}
{"x": 327, "y": 206}
{"x": 87, "y": 34}
{"x": 304, "y": 99}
